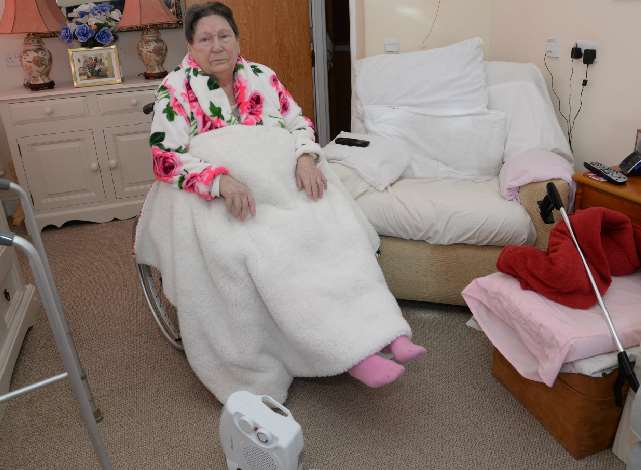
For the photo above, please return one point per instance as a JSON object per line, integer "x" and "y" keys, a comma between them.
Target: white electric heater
{"x": 258, "y": 433}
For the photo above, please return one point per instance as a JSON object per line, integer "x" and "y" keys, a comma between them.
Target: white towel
{"x": 380, "y": 164}
{"x": 294, "y": 291}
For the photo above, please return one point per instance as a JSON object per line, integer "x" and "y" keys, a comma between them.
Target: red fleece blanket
{"x": 610, "y": 242}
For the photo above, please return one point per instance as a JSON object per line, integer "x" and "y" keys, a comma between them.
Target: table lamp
{"x": 33, "y": 17}
{"x": 152, "y": 50}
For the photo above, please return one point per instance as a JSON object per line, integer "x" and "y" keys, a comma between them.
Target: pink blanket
{"x": 538, "y": 335}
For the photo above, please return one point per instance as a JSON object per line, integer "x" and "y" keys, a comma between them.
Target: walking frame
{"x": 626, "y": 367}
{"x": 39, "y": 264}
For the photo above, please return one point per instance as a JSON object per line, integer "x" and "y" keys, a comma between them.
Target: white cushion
{"x": 467, "y": 147}
{"x": 379, "y": 164}
{"x": 446, "y": 81}
{"x": 448, "y": 211}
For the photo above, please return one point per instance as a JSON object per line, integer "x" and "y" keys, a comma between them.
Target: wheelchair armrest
{"x": 529, "y": 195}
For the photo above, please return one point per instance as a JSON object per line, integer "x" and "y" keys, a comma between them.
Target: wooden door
{"x": 277, "y": 33}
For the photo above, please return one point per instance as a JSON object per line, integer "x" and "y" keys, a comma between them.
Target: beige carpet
{"x": 446, "y": 413}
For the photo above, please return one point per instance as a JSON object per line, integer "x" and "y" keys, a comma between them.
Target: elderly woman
{"x": 213, "y": 88}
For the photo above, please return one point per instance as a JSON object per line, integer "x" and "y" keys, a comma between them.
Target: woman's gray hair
{"x": 197, "y": 12}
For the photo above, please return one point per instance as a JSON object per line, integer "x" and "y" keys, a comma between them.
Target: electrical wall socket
{"x": 391, "y": 46}
{"x": 13, "y": 60}
{"x": 589, "y": 44}
{"x": 553, "y": 48}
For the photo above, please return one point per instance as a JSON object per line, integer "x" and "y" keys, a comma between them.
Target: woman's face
{"x": 215, "y": 46}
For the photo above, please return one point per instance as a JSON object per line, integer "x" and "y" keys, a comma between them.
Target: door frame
{"x": 319, "y": 72}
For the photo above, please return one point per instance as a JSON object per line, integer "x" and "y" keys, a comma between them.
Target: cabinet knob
{"x": 113, "y": 163}
{"x": 48, "y": 110}
{"x": 133, "y": 102}
{"x": 94, "y": 166}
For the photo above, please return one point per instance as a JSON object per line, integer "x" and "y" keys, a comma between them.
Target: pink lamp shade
{"x": 31, "y": 16}
{"x": 144, "y": 13}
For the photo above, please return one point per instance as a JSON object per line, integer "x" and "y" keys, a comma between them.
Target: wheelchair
{"x": 151, "y": 281}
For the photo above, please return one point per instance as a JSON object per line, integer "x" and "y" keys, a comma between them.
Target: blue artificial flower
{"x": 66, "y": 35}
{"x": 84, "y": 33}
{"x": 100, "y": 9}
{"x": 82, "y": 14}
{"x": 104, "y": 36}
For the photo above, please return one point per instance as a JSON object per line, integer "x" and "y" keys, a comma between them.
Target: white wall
{"x": 410, "y": 20}
{"x": 606, "y": 128}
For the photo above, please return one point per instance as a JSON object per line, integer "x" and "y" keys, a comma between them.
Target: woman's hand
{"x": 238, "y": 198}
{"x": 309, "y": 177}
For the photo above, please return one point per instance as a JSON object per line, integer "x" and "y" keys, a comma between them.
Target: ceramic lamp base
{"x": 152, "y": 50}
{"x": 36, "y": 63}
{"x": 155, "y": 75}
{"x": 40, "y": 86}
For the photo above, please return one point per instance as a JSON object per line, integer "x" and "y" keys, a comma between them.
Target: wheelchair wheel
{"x": 161, "y": 309}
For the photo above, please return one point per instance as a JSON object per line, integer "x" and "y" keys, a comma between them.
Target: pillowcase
{"x": 465, "y": 147}
{"x": 445, "y": 81}
{"x": 379, "y": 164}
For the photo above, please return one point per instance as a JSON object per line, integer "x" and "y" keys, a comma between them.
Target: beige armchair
{"x": 416, "y": 270}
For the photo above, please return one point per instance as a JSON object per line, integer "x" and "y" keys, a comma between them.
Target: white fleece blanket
{"x": 294, "y": 292}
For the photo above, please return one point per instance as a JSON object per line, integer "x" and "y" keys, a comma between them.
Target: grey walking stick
{"x": 626, "y": 367}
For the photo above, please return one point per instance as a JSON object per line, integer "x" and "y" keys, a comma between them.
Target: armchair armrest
{"x": 529, "y": 195}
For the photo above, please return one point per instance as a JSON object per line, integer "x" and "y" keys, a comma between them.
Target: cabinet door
{"x": 62, "y": 169}
{"x": 129, "y": 160}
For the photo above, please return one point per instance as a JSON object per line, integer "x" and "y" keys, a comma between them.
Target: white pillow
{"x": 464, "y": 147}
{"x": 445, "y": 81}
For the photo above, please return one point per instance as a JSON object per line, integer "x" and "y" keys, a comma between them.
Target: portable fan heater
{"x": 258, "y": 433}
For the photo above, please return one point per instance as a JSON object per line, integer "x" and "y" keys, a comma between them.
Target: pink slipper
{"x": 404, "y": 350}
{"x": 376, "y": 371}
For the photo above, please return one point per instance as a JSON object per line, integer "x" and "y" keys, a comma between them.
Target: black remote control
{"x": 351, "y": 142}
{"x": 608, "y": 173}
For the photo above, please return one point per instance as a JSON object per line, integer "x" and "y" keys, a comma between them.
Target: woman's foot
{"x": 404, "y": 350}
{"x": 376, "y": 371}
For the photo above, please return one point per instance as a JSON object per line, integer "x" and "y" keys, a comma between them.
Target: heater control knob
{"x": 264, "y": 437}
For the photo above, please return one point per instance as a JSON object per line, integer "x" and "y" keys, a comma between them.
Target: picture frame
{"x": 92, "y": 66}
{"x": 637, "y": 145}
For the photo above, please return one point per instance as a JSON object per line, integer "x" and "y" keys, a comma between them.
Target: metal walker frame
{"x": 50, "y": 298}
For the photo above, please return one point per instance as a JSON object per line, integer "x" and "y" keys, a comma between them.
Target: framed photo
{"x": 95, "y": 66}
{"x": 637, "y": 145}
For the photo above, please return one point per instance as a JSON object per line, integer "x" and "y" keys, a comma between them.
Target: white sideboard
{"x": 82, "y": 153}
{"x": 18, "y": 308}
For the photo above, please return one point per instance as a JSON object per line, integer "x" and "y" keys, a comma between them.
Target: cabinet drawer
{"x": 10, "y": 288}
{"x": 47, "y": 110}
{"x": 124, "y": 102}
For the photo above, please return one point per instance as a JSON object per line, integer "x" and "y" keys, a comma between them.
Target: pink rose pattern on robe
{"x": 284, "y": 96}
{"x": 172, "y": 163}
{"x": 200, "y": 182}
{"x": 166, "y": 165}
{"x": 175, "y": 104}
